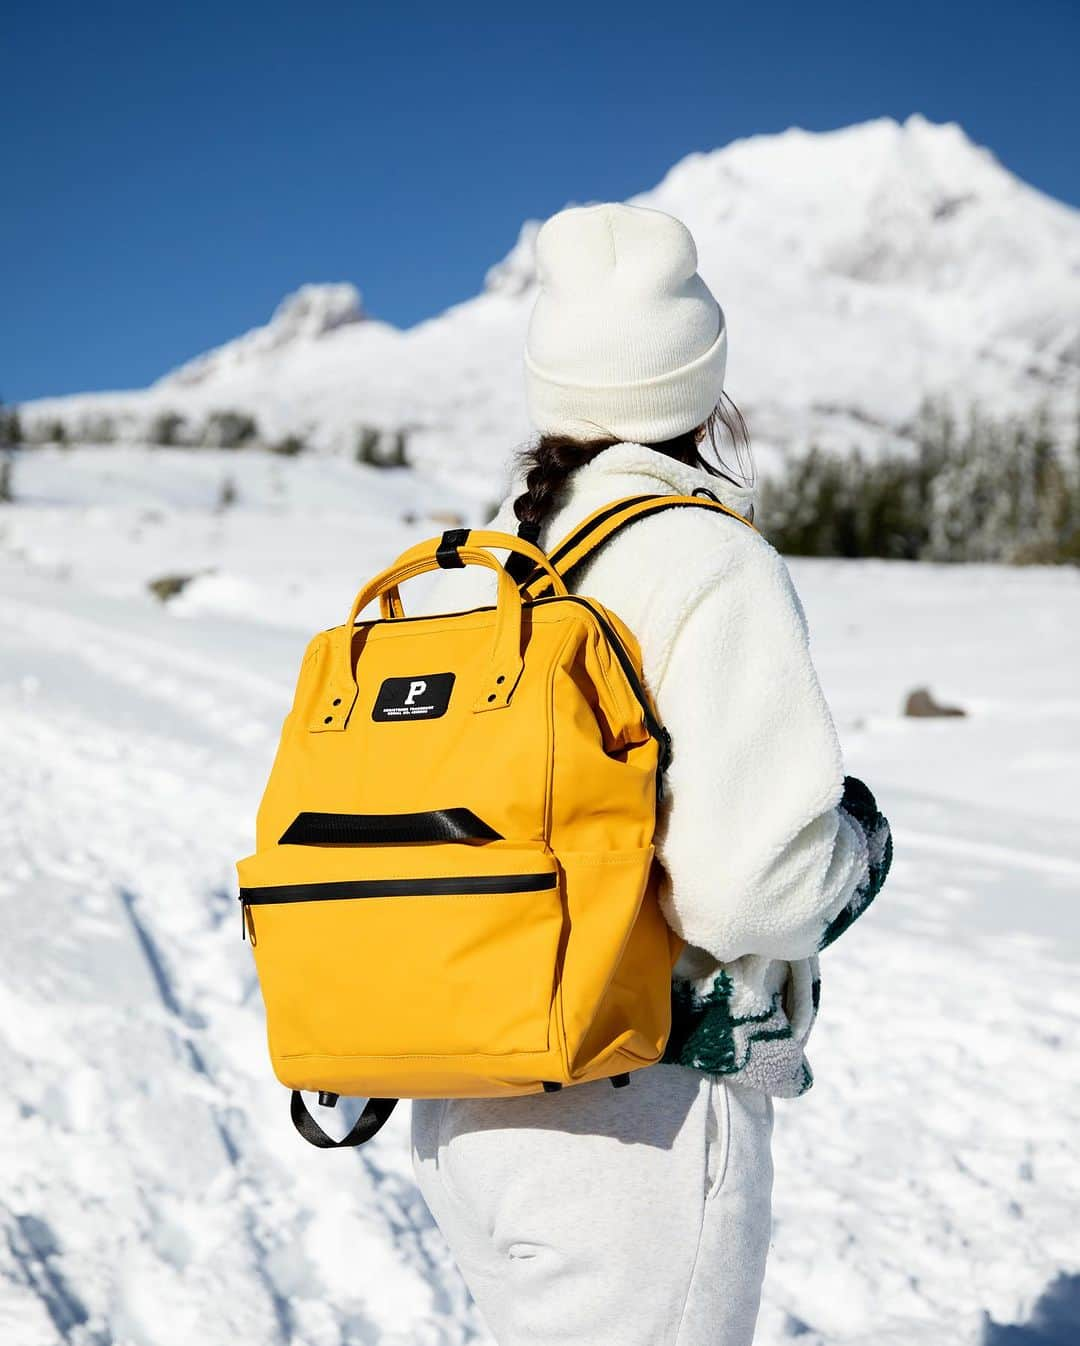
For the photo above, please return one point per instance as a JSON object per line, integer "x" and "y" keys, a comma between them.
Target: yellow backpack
{"x": 454, "y": 892}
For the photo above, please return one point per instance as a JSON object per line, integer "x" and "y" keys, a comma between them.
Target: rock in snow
{"x": 920, "y": 704}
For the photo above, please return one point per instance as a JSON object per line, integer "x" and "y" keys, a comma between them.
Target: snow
{"x": 859, "y": 269}
{"x": 155, "y": 1193}
{"x": 308, "y": 314}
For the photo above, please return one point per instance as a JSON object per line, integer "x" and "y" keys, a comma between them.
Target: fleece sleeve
{"x": 768, "y": 850}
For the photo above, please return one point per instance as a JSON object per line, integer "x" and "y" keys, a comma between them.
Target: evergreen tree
{"x": 229, "y": 430}
{"x": 1002, "y": 490}
{"x": 165, "y": 429}
{"x": 10, "y": 427}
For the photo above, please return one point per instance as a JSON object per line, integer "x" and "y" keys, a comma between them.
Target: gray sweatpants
{"x": 606, "y": 1217}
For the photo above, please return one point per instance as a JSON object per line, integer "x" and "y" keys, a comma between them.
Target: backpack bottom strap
{"x": 375, "y": 1115}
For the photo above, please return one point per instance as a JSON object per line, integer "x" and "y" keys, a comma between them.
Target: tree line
{"x": 980, "y": 489}
{"x": 985, "y": 490}
{"x": 222, "y": 429}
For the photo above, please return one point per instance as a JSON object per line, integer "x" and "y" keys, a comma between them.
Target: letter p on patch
{"x": 415, "y": 689}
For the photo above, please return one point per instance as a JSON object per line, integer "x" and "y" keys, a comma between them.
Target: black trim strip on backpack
{"x": 444, "y": 886}
{"x": 659, "y": 504}
{"x": 590, "y": 525}
{"x": 522, "y": 569}
{"x": 374, "y": 1117}
{"x": 382, "y": 829}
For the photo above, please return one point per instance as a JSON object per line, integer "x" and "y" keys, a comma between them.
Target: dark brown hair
{"x": 549, "y": 462}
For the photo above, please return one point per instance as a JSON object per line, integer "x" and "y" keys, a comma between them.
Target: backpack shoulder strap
{"x": 603, "y": 524}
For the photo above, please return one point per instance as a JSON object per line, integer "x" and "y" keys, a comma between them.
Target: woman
{"x": 641, "y": 1216}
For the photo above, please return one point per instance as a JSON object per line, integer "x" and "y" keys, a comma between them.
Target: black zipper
{"x": 438, "y": 887}
{"x": 655, "y": 728}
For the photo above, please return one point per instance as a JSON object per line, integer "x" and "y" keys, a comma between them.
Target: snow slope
{"x": 155, "y": 1193}
{"x": 859, "y": 269}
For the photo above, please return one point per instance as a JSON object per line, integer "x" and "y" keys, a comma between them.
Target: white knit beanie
{"x": 625, "y": 338}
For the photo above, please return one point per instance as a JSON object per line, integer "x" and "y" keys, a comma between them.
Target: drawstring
{"x": 704, "y": 490}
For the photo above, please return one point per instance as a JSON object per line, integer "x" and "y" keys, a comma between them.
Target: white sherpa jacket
{"x": 766, "y": 857}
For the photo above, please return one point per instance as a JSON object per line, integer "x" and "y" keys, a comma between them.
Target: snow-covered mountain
{"x": 860, "y": 269}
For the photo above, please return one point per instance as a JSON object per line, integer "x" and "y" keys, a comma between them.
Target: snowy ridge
{"x": 860, "y": 270}
{"x": 306, "y": 315}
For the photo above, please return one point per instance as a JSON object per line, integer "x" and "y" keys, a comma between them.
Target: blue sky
{"x": 170, "y": 171}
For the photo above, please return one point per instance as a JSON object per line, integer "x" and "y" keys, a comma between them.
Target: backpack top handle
{"x": 468, "y": 548}
{"x": 447, "y": 548}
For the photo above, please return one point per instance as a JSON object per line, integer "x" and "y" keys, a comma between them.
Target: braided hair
{"x": 552, "y": 459}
